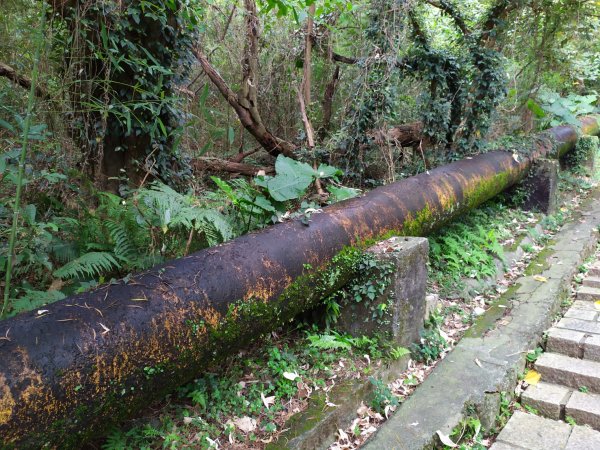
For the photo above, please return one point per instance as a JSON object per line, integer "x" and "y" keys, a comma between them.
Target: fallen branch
{"x": 21, "y": 80}
{"x": 222, "y": 165}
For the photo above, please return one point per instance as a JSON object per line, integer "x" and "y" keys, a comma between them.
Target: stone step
{"x": 582, "y": 314}
{"x": 571, "y": 372}
{"x": 593, "y": 282}
{"x": 566, "y": 342}
{"x": 584, "y": 326}
{"x": 548, "y": 399}
{"x": 584, "y": 408}
{"x": 583, "y": 438}
{"x": 591, "y": 347}
{"x": 588, "y": 293}
{"x": 594, "y": 270}
{"x": 531, "y": 432}
{"x": 528, "y": 431}
{"x": 587, "y": 305}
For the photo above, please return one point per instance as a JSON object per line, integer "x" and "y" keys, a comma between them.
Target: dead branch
{"x": 245, "y": 102}
{"x": 21, "y": 80}
{"x": 210, "y": 164}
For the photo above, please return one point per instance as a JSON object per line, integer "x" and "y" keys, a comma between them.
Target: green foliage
{"x": 467, "y": 249}
{"x": 533, "y": 355}
{"x": 468, "y": 435}
{"x": 257, "y": 386}
{"x": 432, "y": 343}
{"x": 370, "y": 281}
{"x": 560, "y": 109}
{"x": 134, "y": 54}
{"x": 88, "y": 265}
{"x": 382, "y": 397}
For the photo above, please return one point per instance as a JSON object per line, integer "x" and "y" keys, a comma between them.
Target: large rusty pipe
{"x": 67, "y": 373}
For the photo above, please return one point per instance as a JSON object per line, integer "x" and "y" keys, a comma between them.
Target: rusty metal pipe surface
{"x": 68, "y": 373}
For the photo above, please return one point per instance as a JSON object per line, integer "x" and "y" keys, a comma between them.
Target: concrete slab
{"x": 548, "y": 399}
{"x": 585, "y": 409}
{"x": 571, "y": 372}
{"x": 566, "y": 342}
{"x": 584, "y": 326}
{"x": 591, "y": 348}
{"x": 535, "y": 433}
{"x": 583, "y": 438}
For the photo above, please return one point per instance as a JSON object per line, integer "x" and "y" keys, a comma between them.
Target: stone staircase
{"x": 570, "y": 382}
{"x": 570, "y": 368}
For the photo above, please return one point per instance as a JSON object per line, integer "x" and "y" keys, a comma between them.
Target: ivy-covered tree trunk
{"x": 124, "y": 59}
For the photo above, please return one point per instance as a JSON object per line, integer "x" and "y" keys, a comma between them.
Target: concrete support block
{"x": 399, "y": 313}
{"x": 585, "y": 156}
{"x": 542, "y": 186}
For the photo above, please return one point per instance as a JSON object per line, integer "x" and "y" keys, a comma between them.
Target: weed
{"x": 584, "y": 389}
{"x": 432, "y": 342}
{"x": 570, "y": 420}
{"x": 531, "y": 410}
{"x": 382, "y": 396}
{"x": 533, "y": 355}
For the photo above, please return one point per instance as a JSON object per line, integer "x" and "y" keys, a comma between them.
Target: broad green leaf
{"x": 292, "y": 179}
{"x": 342, "y": 193}
{"x": 325, "y": 171}
{"x": 535, "y": 109}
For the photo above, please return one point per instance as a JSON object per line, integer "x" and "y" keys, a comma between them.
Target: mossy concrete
{"x": 484, "y": 364}
{"x": 316, "y": 427}
{"x": 399, "y": 313}
{"x": 542, "y": 186}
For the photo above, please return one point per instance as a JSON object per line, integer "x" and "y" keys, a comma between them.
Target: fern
{"x": 90, "y": 264}
{"x": 34, "y": 299}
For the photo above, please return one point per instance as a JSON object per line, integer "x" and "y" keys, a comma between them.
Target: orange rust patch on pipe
{"x": 7, "y": 402}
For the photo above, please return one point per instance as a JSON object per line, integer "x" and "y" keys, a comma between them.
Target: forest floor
{"x": 247, "y": 402}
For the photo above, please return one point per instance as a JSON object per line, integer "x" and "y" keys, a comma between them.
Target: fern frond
{"x": 34, "y": 299}
{"x": 90, "y": 264}
{"x": 123, "y": 247}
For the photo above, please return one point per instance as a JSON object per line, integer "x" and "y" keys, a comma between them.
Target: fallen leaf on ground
{"x": 597, "y": 305}
{"x": 446, "y": 439}
{"x": 532, "y": 378}
{"x": 245, "y": 424}
{"x": 540, "y": 278}
{"x": 291, "y": 375}
{"x": 267, "y": 400}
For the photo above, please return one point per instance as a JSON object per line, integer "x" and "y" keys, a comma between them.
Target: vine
{"x": 126, "y": 59}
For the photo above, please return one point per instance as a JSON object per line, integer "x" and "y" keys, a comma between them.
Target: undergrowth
{"x": 249, "y": 399}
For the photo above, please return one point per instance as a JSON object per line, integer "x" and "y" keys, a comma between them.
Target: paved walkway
{"x": 569, "y": 390}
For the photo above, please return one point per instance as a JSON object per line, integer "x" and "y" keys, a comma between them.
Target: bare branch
{"x": 21, "y": 80}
